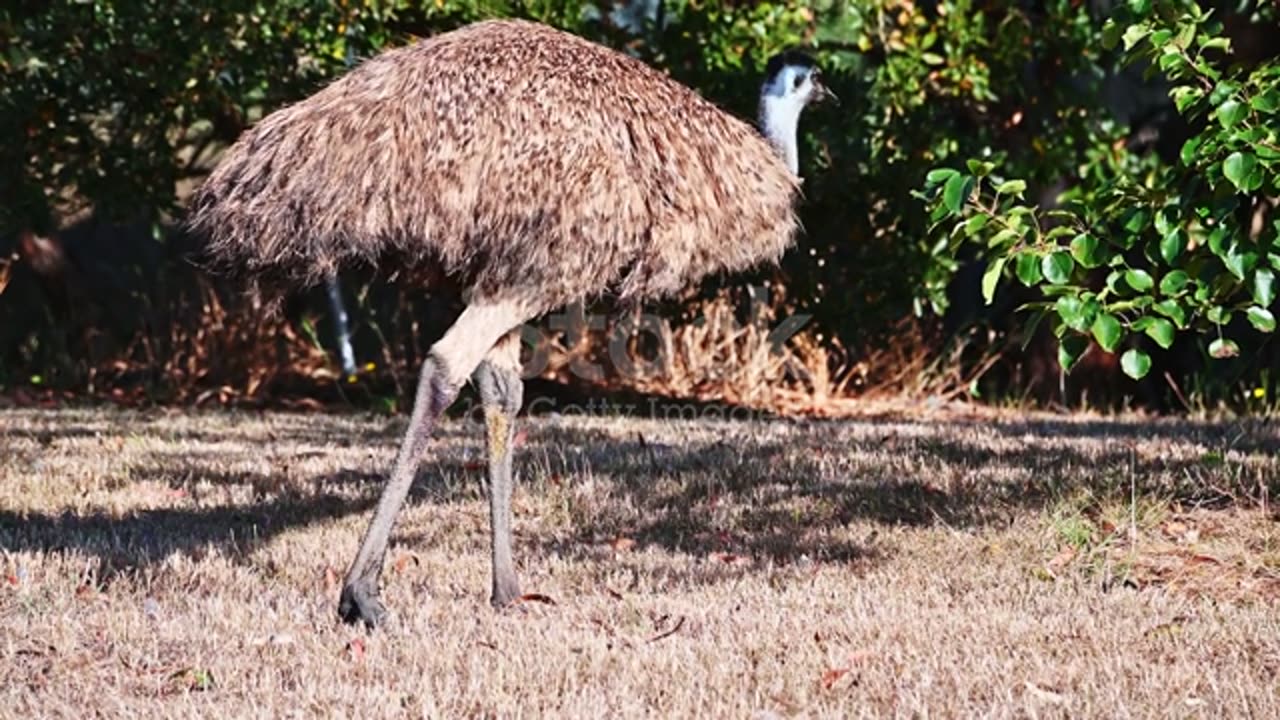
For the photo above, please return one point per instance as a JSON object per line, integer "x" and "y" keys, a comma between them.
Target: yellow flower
{"x": 1259, "y": 392}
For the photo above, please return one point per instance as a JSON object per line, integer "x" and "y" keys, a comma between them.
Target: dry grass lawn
{"x": 187, "y": 565}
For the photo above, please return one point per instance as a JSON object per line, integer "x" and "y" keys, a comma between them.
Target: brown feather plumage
{"x": 521, "y": 161}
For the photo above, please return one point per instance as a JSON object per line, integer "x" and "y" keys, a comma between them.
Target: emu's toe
{"x": 360, "y": 603}
{"x": 504, "y": 593}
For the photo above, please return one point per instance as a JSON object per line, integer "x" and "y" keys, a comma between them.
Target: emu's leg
{"x": 501, "y": 392}
{"x": 447, "y": 366}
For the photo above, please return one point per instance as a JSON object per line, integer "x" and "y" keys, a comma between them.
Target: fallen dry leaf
{"x": 1063, "y": 558}
{"x": 622, "y": 544}
{"x": 855, "y": 658}
{"x": 6, "y": 270}
{"x": 831, "y": 677}
{"x": 534, "y": 597}
{"x": 403, "y": 561}
{"x": 668, "y": 632}
{"x": 354, "y": 650}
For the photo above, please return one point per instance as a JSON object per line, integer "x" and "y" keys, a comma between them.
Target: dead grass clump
{"x": 1226, "y": 555}
{"x": 217, "y": 354}
{"x": 761, "y": 357}
{"x": 170, "y": 564}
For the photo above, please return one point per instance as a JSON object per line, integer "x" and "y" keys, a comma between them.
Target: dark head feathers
{"x": 789, "y": 57}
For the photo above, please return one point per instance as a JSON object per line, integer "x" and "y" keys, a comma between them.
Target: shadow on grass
{"x": 137, "y": 539}
{"x": 788, "y": 495}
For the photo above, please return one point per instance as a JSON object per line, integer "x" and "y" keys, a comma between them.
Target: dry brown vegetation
{"x": 169, "y": 564}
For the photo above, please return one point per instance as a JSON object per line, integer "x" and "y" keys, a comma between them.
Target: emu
{"x": 532, "y": 169}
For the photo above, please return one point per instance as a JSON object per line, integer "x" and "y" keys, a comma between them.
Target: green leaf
{"x": 1264, "y": 292}
{"x": 1239, "y": 263}
{"x": 1217, "y": 43}
{"x": 956, "y": 192}
{"x": 1070, "y": 348}
{"x": 1174, "y": 282}
{"x": 1238, "y": 167}
{"x": 1075, "y": 313}
{"x": 1139, "y": 280}
{"x": 1218, "y": 242}
{"x": 1140, "y": 7}
{"x": 1006, "y": 236}
{"x": 1185, "y": 96}
{"x": 1186, "y": 35}
{"x": 1012, "y": 187}
{"x": 1084, "y": 248}
{"x": 1223, "y": 348}
{"x": 991, "y": 278}
{"x": 1222, "y": 91}
{"x": 1266, "y": 102}
{"x": 980, "y": 168}
{"x": 1135, "y": 363}
{"x": 1219, "y": 315}
{"x": 1231, "y": 112}
{"x": 1110, "y": 34}
{"x": 1172, "y": 244}
{"x": 938, "y": 176}
{"x": 1189, "y": 148}
{"x": 1134, "y": 34}
{"x": 1028, "y": 268}
{"x": 1173, "y": 310}
{"x": 975, "y": 223}
{"x": 1261, "y": 318}
{"x": 1137, "y": 220}
{"x": 1057, "y": 267}
{"x": 1160, "y": 330}
{"x": 1108, "y": 331}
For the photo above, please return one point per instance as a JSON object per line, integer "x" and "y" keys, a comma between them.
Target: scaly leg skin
{"x": 359, "y": 600}
{"x": 449, "y": 363}
{"x": 501, "y": 392}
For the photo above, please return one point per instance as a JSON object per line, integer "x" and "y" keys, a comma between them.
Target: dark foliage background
{"x": 111, "y": 111}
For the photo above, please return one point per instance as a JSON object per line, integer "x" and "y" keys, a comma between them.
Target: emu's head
{"x": 792, "y": 81}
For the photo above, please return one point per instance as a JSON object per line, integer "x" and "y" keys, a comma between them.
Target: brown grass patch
{"x": 188, "y": 564}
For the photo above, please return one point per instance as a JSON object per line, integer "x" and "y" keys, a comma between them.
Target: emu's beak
{"x": 822, "y": 93}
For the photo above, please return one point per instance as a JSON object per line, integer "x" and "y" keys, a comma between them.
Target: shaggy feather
{"x": 520, "y": 161}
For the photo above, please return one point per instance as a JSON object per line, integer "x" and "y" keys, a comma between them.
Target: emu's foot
{"x": 505, "y": 592}
{"x": 360, "y": 603}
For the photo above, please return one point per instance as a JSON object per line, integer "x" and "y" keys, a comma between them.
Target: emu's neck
{"x": 779, "y": 116}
